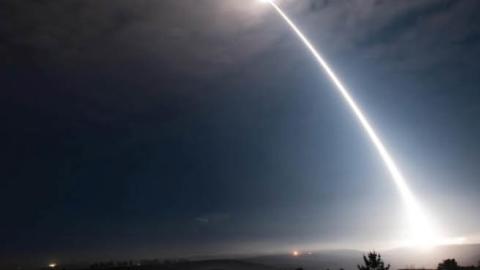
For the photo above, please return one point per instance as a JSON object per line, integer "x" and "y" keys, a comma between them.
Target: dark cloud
{"x": 210, "y": 36}
{"x": 186, "y": 36}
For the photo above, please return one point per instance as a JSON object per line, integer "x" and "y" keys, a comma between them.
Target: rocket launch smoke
{"x": 422, "y": 232}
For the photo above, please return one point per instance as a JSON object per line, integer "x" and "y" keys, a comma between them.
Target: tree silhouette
{"x": 373, "y": 261}
{"x": 448, "y": 264}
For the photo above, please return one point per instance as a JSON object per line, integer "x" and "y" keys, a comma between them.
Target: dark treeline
{"x": 136, "y": 264}
{"x": 371, "y": 261}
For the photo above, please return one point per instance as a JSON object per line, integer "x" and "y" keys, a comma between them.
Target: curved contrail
{"x": 421, "y": 229}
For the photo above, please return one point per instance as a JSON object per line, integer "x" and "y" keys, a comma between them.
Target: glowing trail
{"x": 422, "y": 232}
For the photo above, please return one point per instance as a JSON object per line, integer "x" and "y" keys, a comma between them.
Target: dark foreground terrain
{"x": 179, "y": 265}
{"x": 467, "y": 257}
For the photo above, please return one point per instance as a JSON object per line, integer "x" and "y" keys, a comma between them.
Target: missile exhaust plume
{"x": 421, "y": 230}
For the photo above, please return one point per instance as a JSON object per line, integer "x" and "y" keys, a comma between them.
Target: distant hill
{"x": 465, "y": 255}
{"x": 332, "y": 259}
{"x": 223, "y": 264}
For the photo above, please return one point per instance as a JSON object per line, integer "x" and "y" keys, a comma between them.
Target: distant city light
{"x": 295, "y": 253}
{"x": 52, "y": 265}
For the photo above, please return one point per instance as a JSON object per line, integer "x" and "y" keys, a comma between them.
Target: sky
{"x": 142, "y": 129}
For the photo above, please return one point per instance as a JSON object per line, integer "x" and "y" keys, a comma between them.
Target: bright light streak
{"x": 422, "y": 232}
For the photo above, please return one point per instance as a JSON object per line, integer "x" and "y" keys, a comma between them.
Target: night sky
{"x": 141, "y": 129}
